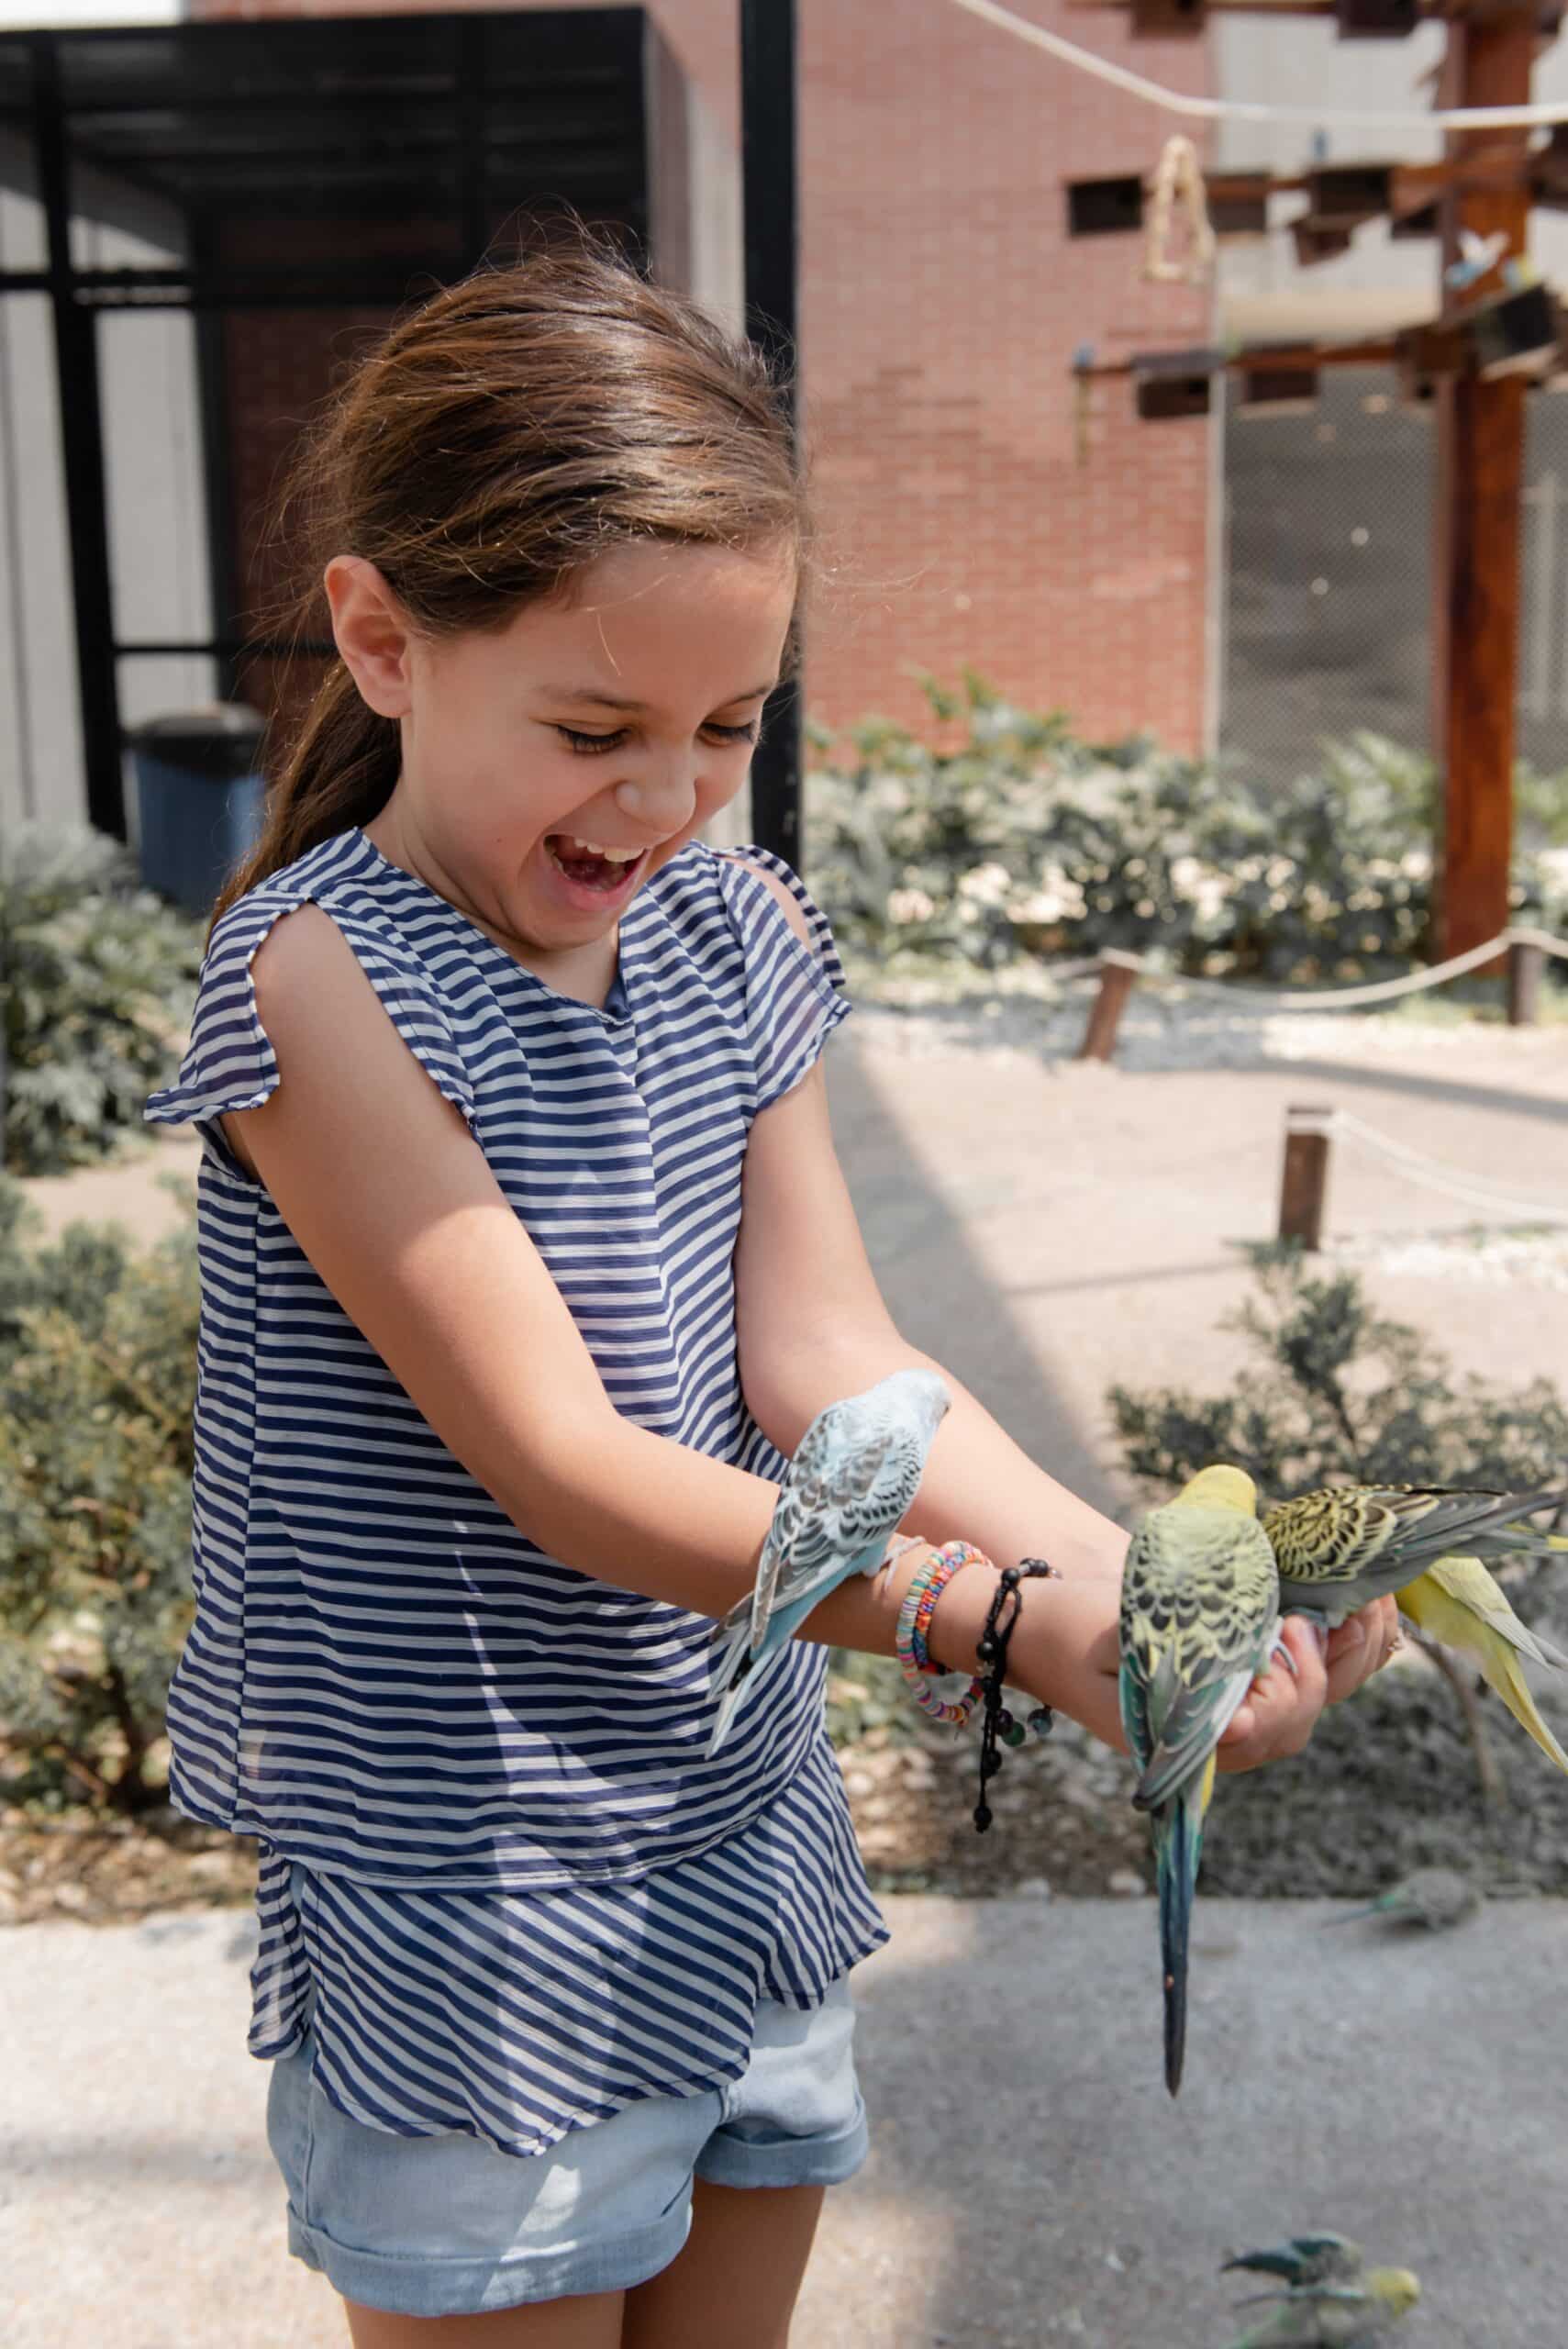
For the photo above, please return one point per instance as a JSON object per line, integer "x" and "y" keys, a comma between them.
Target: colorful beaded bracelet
{"x": 914, "y": 1622}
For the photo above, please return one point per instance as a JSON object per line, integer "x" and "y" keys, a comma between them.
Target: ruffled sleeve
{"x": 230, "y": 1062}
{"x": 795, "y": 992}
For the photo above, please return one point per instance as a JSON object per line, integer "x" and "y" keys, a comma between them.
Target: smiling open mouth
{"x": 590, "y": 866}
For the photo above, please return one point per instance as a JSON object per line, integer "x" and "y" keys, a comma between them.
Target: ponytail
{"x": 339, "y": 772}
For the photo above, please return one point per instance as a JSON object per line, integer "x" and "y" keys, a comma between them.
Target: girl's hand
{"x": 1066, "y": 1653}
{"x": 1280, "y": 1714}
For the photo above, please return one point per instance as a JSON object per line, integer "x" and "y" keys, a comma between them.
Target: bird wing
{"x": 1366, "y": 1539}
{"x": 1199, "y": 1615}
{"x": 1304, "y": 2259}
{"x": 851, "y": 1482}
{"x": 1467, "y": 1582}
{"x": 1448, "y": 1609}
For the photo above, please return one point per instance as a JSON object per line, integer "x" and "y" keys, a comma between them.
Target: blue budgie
{"x": 855, "y": 1475}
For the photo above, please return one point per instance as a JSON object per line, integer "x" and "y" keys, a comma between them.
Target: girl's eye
{"x": 589, "y": 746}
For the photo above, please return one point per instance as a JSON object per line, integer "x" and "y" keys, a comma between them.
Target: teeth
{"x": 612, "y": 855}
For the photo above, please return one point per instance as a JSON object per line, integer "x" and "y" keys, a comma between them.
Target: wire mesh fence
{"x": 1328, "y": 585}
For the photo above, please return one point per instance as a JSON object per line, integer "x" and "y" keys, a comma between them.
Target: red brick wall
{"x": 941, "y": 303}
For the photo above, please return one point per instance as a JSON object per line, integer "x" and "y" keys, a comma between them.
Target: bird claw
{"x": 1281, "y": 1651}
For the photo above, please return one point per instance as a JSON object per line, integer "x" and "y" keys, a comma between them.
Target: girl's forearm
{"x": 635, "y": 1509}
{"x": 980, "y": 1486}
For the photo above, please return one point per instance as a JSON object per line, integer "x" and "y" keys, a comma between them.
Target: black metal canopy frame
{"x": 412, "y": 140}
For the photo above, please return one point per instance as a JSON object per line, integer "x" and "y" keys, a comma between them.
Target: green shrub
{"x": 1335, "y": 1392}
{"x": 1019, "y": 838}
{"x": 97, "y": 1381}
{"x": 96, "y": 982}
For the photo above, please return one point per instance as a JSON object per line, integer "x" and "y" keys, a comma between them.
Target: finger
{"x": 1350, "y": 1655}
{"x": 1282, "y": 1708}
{"x": 1362, "y": 1646}
{"x": 1289, "y": 1704}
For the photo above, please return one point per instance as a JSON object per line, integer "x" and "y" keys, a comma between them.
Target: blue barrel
{"x": 200, "y": 791}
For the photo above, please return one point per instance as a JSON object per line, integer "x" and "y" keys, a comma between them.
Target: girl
{"x": 525, "y": 1258}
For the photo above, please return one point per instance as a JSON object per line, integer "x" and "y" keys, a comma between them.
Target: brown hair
{"x": 505, "y": 435}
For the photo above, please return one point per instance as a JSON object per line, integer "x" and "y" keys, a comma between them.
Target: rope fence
{"x": 1527, "y": 950}
{"x": 1203, "y": 109}
{"x": 1304, "y": 1177}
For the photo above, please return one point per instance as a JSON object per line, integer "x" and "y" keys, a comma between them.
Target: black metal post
{"x": 768, "y": 80}
{"x": 82, "y": 437}
{"x": 212, "y": 383}
{"x": 473, "y": 224}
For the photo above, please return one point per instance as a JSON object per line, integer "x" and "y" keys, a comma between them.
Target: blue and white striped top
{"x": 530, "y": 1899}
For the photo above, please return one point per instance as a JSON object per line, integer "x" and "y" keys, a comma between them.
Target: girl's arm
{"x": 813, "y": 1325}
{"x": 391, "y": 1198}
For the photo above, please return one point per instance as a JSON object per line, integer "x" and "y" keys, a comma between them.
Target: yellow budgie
{"x": 1458, "y": 1602}
{"x": 1200, "y": 1619}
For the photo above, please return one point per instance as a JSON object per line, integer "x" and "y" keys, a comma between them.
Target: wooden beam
{"x": 1480, "y": 429}
{"x": 1384, "y": 352}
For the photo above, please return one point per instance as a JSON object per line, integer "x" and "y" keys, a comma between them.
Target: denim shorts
{"x": 447, "y": 2226}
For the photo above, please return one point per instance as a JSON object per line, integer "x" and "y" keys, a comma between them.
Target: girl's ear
{"x": 372, "y": 632}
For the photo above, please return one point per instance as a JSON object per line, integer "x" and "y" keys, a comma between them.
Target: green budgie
{"x": 1318, "y": 2258}
{"x": 1200, "y": 1619}
{"x": 1342, "y": 1546}
{"x": 1435, "y": 1897}
{"x": 1352, "y": 2314}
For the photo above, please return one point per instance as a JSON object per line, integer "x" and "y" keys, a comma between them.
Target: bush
{"x": 96, "y": 982}
{"x": 1020, "y": 838}
{"x": 97, "y": 1381}
{"x": 1335, "y": 1392}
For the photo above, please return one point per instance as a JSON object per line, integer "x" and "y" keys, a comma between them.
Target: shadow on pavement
{"x": 939, "y": 1295}
{"x": 1380, "y": 1079}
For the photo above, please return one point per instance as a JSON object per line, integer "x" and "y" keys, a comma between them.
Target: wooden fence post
{"x": 1117, "y": 974}
{"x": 1526, "y": 966}
{"x": 1304, "y": 1179}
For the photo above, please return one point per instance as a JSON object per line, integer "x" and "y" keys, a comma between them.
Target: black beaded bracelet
{"x": 997, "y": 1725}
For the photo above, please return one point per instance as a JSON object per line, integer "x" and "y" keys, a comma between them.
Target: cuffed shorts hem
{"x": 730, "y": 2159}
{"x": 425, "y": 2286}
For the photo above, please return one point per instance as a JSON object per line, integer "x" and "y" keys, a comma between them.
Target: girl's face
{"x": 551, "y": 766}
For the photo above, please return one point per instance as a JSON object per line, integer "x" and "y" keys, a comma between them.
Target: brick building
{"x": 965, "y": 519}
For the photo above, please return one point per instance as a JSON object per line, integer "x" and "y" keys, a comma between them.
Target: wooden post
{"x": 1526, "y": 966}
{"x": 1304, "y": 1180}
{"x": 1117, "y": 974}
{"x": 1477, "y": 543}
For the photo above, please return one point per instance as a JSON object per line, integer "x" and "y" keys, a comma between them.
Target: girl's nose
{"x": 663, "y": 800}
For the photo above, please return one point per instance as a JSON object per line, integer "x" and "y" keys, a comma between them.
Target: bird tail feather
{"x": 727, "y": 1653}
{"x": 1178, "y": 1843}
{"x": 1501, "y": 1667}
{"x": 1381, "y": 1906}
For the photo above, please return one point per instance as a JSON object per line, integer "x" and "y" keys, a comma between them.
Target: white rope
{"x": 1341, "y": 999}
{"x": 1178, "y": 174}
{"x": 1418, "y": 1168}
{"x": 1138, "y": 85}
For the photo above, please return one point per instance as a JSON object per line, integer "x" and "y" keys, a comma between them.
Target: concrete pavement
{"x": 1030, "y": 2183}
